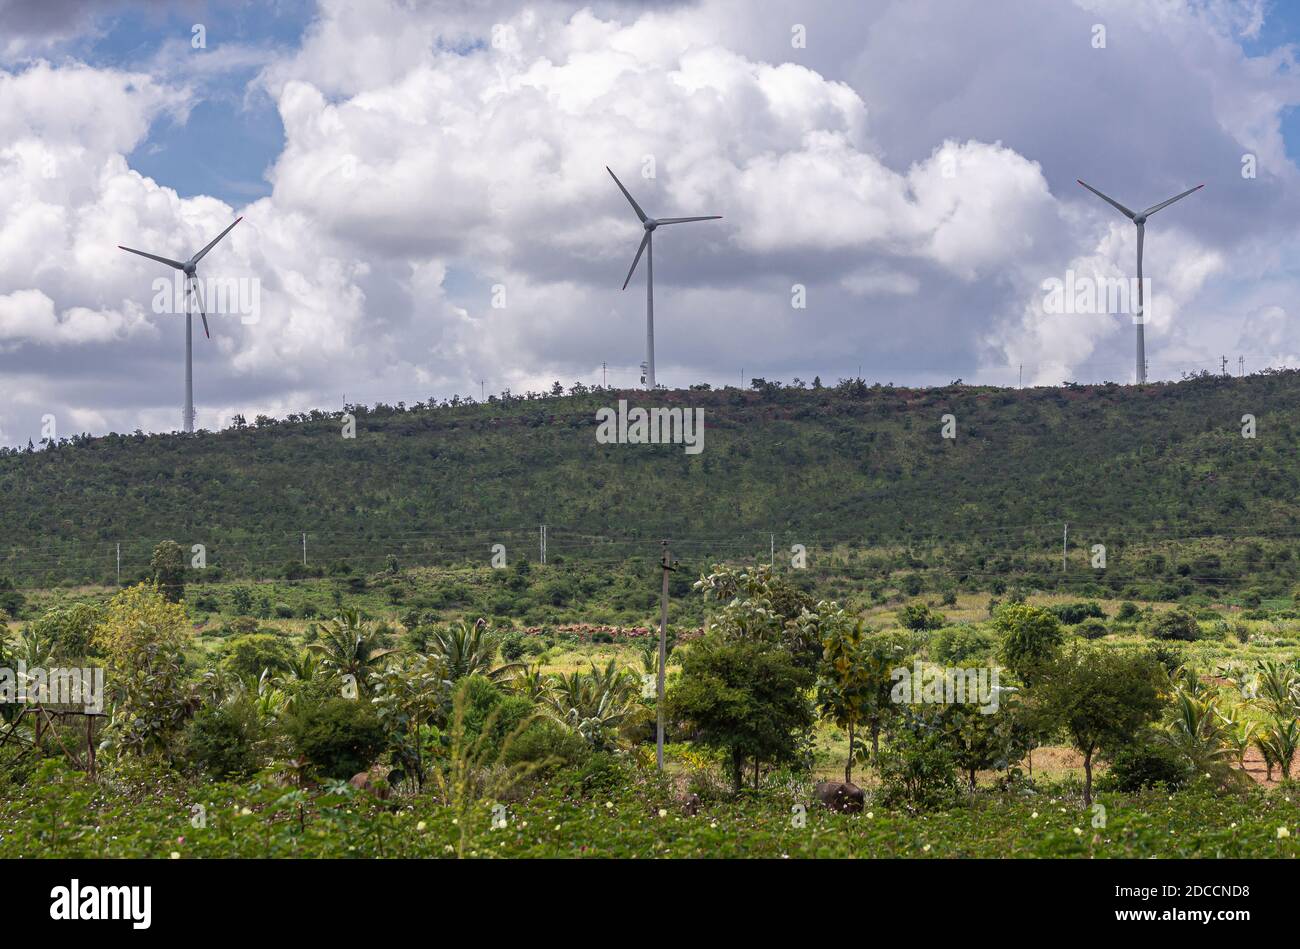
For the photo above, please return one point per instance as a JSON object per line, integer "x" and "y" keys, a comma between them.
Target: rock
{"x": 841, "y": 796}
{"x": 369, "y": 781}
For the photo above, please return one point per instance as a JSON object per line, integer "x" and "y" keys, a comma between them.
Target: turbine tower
{"x": 190, "y": 269}
{"x": 1140, "y": 220}
{"x": 647, "y": 246}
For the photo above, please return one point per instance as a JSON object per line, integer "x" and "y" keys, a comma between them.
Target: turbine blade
{"x": 200, "y": 255}
{"x": 1109, "y": 200}
{"x": 162, "y": 260}
{"x": 684, "y": 220}
{"x": 636, "y": 260}
{"x": 632, "y": 201}
{"x": 198, "y": 293}
{"x": 1164, "y": 204}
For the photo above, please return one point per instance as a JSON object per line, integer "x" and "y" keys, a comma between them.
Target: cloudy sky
{"x": 426, "y": 209}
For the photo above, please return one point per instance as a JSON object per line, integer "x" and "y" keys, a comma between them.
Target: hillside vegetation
{"x": 852, "y": 463}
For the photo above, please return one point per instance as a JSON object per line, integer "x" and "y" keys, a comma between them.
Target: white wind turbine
{"x": 190, "y": 269}
{"x": 1140, "y": 220}
{"x": 647, "y": 246}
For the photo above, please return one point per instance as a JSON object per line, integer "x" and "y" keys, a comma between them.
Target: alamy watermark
{"x": 946, "y": 686}
{"x": 83, "y": 687}
{"x": 1085, "y": 295}
{"x": 638, "y": 426}
{"x": 222, "y": 296}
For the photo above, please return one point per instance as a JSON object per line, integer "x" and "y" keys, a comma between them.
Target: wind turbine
{"x": 647, "y": 246}
{"x": 190, "y": 269}
{"x": 1140, "y": 220}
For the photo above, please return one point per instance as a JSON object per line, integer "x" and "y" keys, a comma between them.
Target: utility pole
{"x": 482, "y": 390}
{"x": 1241, "y": 366}
{"x": 1223, "y": 365}
{"x": 1065, "y": 546}
{"x": 771, "y": 540}
{"x": 304, "y": 548}
{"x": 668, "y": 567}
{"x": 119, "y": 563}
{"x": 541, "y": 541}
{"x": 1022, "y": 376}
{"x": 603, "y": 384}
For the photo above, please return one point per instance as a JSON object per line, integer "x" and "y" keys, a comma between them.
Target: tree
{"x": 142, "y": 637}
{"x": 349, "y": 648}
{"x": 168, "y": 566}
{"x": 1202, "y": 735}
{"x": 745, "y": 697}
{"x": 595, "y": 705}
{"x": 1100, "y": 698}
{"x": 69, "y": 629}
{"x": 468, "y": 649}
{"x": 1030, "y": 638}
{"x": 855, "y": 684}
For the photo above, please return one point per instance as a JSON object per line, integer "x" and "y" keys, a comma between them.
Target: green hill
{"x": 851, "y": 464}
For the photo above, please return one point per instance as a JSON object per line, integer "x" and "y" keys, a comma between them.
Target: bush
{"x": 917, "y": 770}
{"x": 956, "y": 644}
{"x": 1177, "y": 625}
{"x": 221, "y": 740}
{"x": 1092, "y": 629}
{"x": 512, "y": 646}
{"x": 339, "y": 737}
{"x": 1128, "y": 612}
{"x": 248, "y": 655}
{"x": 1073, "y": 613}
{"x": 918, "y": 616}
{"x": 548, "y": 746}
{"x": 1146, "y": 763}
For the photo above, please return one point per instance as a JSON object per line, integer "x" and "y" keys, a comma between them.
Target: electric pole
{"x": 541, "y": 541}
{"x": 1223, "y": 365}
{"x": 1241, "y": 366}
{"x": 119, "y": 563}
{"x": 603, "y": 383}
{"x": 304, "y": 548}
{"x": 667, "y": 566}
{"x": 1065, "y": 546}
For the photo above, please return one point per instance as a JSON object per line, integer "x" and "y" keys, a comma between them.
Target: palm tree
{"x": 1278, "y": 744}
{"x": 595, "y": 703}
{"x": 1201, "y": 733}
{"x": 467, "y": 649}
{"x": 1278, "y": 688}
{"x": 348, "y": 648}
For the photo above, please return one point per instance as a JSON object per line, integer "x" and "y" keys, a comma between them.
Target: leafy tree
{"x": 918, "y": 769}
{"x": 1030, "y": 638}
{"x": 142, "y": 637}
{"x": 222, "y": 739}
{"x": 69, "y": 629}
{"x": 168, "y": 566}
{"x": 855, "y": 681}
{"x": 1100, "y": 698}
{"x": 11, "y": 600}
{"x": 747, "y": 698}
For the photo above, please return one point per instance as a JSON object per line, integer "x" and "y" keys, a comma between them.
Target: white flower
{"x": 1282, "y": 832}
{"x": 608, "y": 805}
{"x": 926, "y": 848}
{"x": 870, "y": 815}
{"x": 1034, "y": 815}
{"x": 420, "y": 826}
{"x": 662, "y": 812}
{"x": 245, "y": 812}
{"x": 1078, "y": 832}
{"x": 176, "y": 855}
